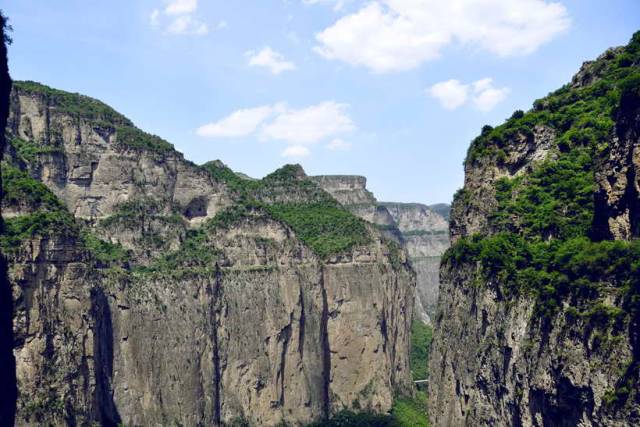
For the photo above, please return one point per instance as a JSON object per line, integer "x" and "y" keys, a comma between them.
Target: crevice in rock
{"x": 628, "y": 130}
{"x": 326, "y": 350}
{"x": 104, "y": 406}
{"x": 301, "y": 326}
{"x": 384, "y": 329}
{"x": 216, "y": 305}
{"x": 284, "y": 336}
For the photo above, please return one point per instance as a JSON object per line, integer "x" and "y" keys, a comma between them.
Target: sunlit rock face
{"x": 150, "y": 292}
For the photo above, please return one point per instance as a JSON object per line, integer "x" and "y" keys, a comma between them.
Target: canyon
{"x": 140, "y": 288}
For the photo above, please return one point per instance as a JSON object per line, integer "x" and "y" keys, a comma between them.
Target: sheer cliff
{"x": 539, "y": 312}
{"x": 426, "y": 237}
{"x": 7, "y": 360}
{"x": 418, "y": 228}
{"x": 152, "y": 291}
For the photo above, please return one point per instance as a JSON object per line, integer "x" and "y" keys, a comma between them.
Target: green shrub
{"x": 29, "y": 151}
{"x": 580, "y": 116}
{"x": 411, "y": 412}
{"x": 21, "y": 190}
{"x": 348, "y": 418}
{"x": 73, "y": 104}
{"x": 106, "y": 253}
{"x": 553, "y": 270}
{"x": 540, "y": 241}
{"x": 327, "y": 228}
{"x": 43, "y": 214}
{"x": 21, "y": 228}
{"x": 133, "y": 138}
{"x": 421, "y": 336}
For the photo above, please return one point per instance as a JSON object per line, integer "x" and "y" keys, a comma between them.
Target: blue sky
{"x": 391, "y": 89}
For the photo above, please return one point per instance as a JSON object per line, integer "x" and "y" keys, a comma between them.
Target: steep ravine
{"x": 538, "y": 311}
{"x": 152, "y": 291}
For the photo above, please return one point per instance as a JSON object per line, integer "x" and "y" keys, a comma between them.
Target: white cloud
{"x": 310, "y": 125}
{"x": 178, "y": 18}
{"x": 299, "y": 128}
{"x": 186, "y": 24}
{"x": 395, "y": 35}
{"x": 338, "y": 5}
{"x": 239, "y": 123}
{"x": 296, "y": 151}
{"x": 338, "y": 144}
{"x": 453, "y": 94}
{"x": 270, "y": 59}
{"x": 180, "y": 7}
{"x": 154, "y": 18}
{"x": 487, "y": 96}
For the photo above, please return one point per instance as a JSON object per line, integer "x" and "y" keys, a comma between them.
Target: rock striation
{"x": 538, "y": 312}
{"x": 152, "y": 291}
{"x": 418, "y": 228}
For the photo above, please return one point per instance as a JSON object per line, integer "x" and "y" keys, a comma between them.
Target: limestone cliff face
{"x": 535, "y": 325}
{"x": 418, "y": 228}
{"x": 151, "y": 291}
{"x": 426, "y": 237}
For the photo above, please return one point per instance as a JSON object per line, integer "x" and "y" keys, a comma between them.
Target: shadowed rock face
{"x": 7, "y": 361}
{"x": 421, "y": 230}
{"x": 547, "y": 343}
{"x": 211, "y": 318}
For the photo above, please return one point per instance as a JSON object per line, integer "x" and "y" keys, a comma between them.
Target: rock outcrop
{"x": 538, "y": 314}
{"x": 418, "y": 228}
{"x": 152, "y": 291}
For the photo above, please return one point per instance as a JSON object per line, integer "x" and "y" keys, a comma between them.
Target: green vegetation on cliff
{"x": 73, "y": 104}
{"x": 21, "y": 190}
{"x": 44, "y": 214}
{"x": 421, "y": 336}
{"x": 287, "y": 196}
{"x": 29, "y": 151}
{"x": 406, "y": 412}
{"x": 581, "y": 116}
{"x": 543, "y": 222}
{"x": 325, "y": 227}
{"x": 543, "y": 240}
{"x": 97, "y": 113}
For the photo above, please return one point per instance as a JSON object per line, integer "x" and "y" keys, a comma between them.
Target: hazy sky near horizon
{"x": 391, "y": 89}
